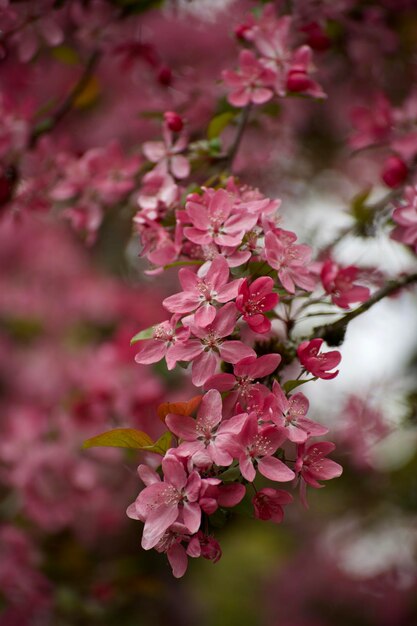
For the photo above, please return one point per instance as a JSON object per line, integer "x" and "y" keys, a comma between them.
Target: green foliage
{"x": 130, "y": 438}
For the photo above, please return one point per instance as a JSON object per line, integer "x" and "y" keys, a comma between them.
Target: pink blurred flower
{"x": 251, "y": 84}
{"x": 406, "y": 218}
{"x": 167, "y": 153}
{"x": 268, "y": 503}
{"x": 338, "y": 282}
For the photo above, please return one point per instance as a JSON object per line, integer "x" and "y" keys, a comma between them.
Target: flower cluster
{"x": 248, "y": 427}
{"x": 217, "y": 459}
{"x": 276, "y": 66}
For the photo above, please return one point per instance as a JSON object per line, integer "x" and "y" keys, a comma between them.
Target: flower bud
{"x": 165, "y": 75}
{"x": 298, "y": 81}
{"x": 173, "y": 121}
{"x": 394, "y": 171}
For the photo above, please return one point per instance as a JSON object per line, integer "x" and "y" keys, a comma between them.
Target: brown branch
{"x": 239, "y": 136}
{"x": 47, "y": 124}
{"x": 334, "y": 333}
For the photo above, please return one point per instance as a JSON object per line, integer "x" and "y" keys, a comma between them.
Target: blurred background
{"x": 83, "y": 84}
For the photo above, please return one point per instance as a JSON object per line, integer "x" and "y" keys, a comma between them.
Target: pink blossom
{"x": 312, "y": 465}
{"x": 242, "y": 382}
{"x": 217, "y": 219}
{"x": 406, "y": 218}
{"x": 338, "y": 282}
{"x": 293, "y": 418}
{"x": 251, "y": 84}
{"x": 254, "y": 300}
{"x": 255, "y": 447}
{"x": 201, "y": 292}
{"x": 165, "y": 337}
{"x": 318, "y": 364}
{"x": 206, "y": 345}
{"x": 289, "y": 259}
{"x": 163, "y": 503}
{"x": 174, "y": 121}
{"x": 206, "y": 436}
{"x": 373, "y": 125}
{"x": 167, "y": 153}
{"x": 394, "y": 172}
{"x": 298, "y": 79}
{"x": 209, "y": 548}
{"x": 267, "y": 504}
{"x": 158, "y": 192}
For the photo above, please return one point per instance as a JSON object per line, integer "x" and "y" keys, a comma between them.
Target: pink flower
{"x": 170, "y": 544}
{"x": 209, "y": 548}
{"x": 254, "y": 300}
{"x": 245, "y": 372}
{"x": 312, "y": 465}
{"x": 206, "y": 345}
{"x": 251, "y": 84}
{"x": 174, "y": 121}
{"x": 373, "y": 124}
{"x": 394, "y": 171}
{"x": 318, "y": 364}
{"x": 205, "y": 436}
{"x": 163, "y": 503}
{"x": 406, "y": 218}
{"x": 167, "y": 153}
{"x": 164, "y": 339}
{"x": 298, "y": 80}
{"x": 268, "y": 504}
{"x": 201, "y": 292}
{"x": 289, "y": 259}
{"x": 338, "y": 282}
{"x": 158, "y": 193}
{"x": 216, "y": 219}
{"x": 293, "y": 418}
{"x": 255, "y": 446}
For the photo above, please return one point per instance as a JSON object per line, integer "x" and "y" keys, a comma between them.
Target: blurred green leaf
{"x": 121, "y": 438}
{"x": 65, "y": 54}
{"x": 219, "y": 123}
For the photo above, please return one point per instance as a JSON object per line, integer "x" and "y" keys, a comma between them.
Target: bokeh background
{"x": 70, "y": 302}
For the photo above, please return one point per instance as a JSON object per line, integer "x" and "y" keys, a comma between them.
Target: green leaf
{"x": 65, "y": 54}
{"x": 143, "y": 334}
{"x": 121, "y": 438}
{"x": 162, "y": 445}
{"x": 230, "y": 475}
{"x": 130, "y": 438}
{"x": 219, "y": 123}
{"x": 293, "y": 384}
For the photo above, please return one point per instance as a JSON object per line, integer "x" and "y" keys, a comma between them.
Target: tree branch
{"x": 334, "y": 333}
{"x": 47, "y": 124}
{"x": 239, "y": 135}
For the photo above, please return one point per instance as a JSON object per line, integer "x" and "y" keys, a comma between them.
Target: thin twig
{"x": 334, "y": 333}
{"x": 49, "y": 123}
{"x": 239, "y": 135}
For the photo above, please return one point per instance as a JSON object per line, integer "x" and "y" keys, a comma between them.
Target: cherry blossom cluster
{"x": 273, "y": 66}
{"x": 392, "y": 130}
{"x": 238, "y": 268}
